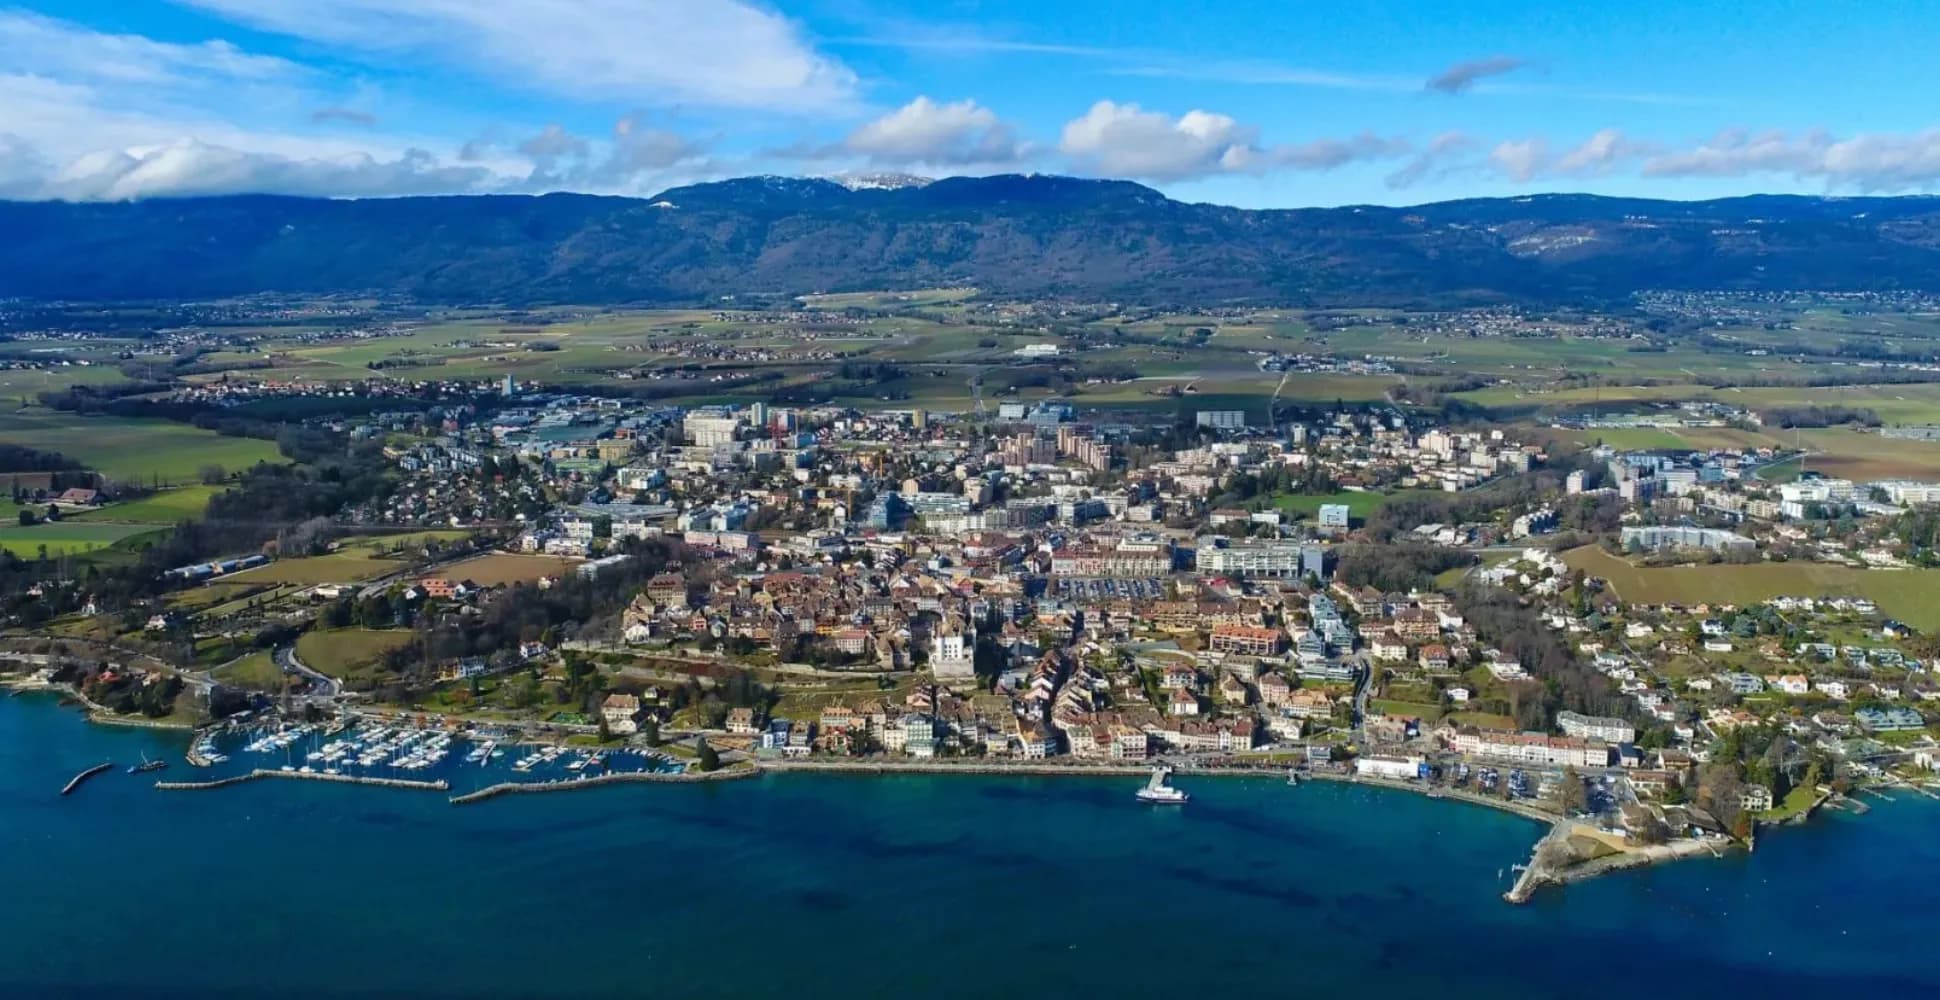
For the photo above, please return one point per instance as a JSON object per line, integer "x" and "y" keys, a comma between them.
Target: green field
{"x": 140, "y": 451}
{"x": 346, "y": 652}
{"x": 67, "y": 538}
{"x": 1482, "y": 720}
{"x": 184, "y": 503}
{"x": 257, "y": 671}
{"x": 1913, "y": 596}
{"x": 1360, "y": 503}
{"x": 380, "y": 546}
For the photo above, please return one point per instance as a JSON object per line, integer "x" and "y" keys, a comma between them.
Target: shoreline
{"x": 1535, "y": 876}
{"x": 95, "y": 712}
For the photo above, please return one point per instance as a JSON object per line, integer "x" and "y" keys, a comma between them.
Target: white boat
{"x": 1156, "y": 789}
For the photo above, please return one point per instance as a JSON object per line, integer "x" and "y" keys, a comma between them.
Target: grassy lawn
{"x": 1482, "y": 720}
{"x": 1796, "y": 801}
{"x": 1912, "y": 596}
{"x": 68, "y": 537}
{"x": 1359, "y": 503}
{"x": 256, "y": 671}
{"x": 167, "y": 507}
{"x": 133, "y": 450}
{"x": 346, "y": 652}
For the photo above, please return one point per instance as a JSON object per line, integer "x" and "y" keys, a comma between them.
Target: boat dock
{"x": 440, "y": 785}
{"x": 76, "y": 781}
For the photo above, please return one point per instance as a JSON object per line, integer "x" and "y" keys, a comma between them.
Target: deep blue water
{"x": 915, "y": 886}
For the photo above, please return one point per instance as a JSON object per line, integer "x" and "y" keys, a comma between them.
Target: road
{"x": 285, "y": 658}
{"x": 1363, "y": 687}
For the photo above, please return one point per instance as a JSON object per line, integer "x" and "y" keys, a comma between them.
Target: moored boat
{"x": 1157, "y": 790}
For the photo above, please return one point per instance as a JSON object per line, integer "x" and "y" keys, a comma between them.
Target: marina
{"x": 417, "y": 755}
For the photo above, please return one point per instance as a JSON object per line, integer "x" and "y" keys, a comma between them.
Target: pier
{"x": 440, "y": 785}
{"x": 651, "y": 777}
{"x": 76, "y": 781}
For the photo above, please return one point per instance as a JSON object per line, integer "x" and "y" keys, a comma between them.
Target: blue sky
{"x": 1260, "y": 104}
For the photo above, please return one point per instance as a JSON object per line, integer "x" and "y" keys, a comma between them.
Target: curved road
{"x": 285, "y": 658}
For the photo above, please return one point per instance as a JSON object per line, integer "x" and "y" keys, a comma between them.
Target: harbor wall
{"x": 623, "y": 777}
{"x": 346, "y": 779}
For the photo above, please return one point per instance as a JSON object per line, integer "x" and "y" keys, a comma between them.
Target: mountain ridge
{"x": 1013, "y": 235}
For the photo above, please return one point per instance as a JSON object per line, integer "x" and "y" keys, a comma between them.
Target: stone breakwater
{"x": 345, "y": 779}
{"x": 626, "y": 777}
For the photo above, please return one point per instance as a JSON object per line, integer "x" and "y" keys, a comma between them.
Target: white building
{"x": 1590, "y": 727}
{"x": 1391, "y": 768}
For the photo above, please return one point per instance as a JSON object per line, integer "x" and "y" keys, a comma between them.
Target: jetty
{"x": 1547, "y": 867}
{"x": 75, "y": 782}
{"x": 622, "y": 777}
{"x": 440, "y": 785}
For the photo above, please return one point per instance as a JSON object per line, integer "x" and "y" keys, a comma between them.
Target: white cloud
{"x": 189, "y": 167}
{"x": 1528, "y": 159}
{"x": 32, "y": 44}
{"x": 1520, "y": 159}
{"x": 720, "y": 53}
{"x": 1600, "y": 153}
{"x": 1124, "y": 140}
{"x": 1879, "y": 161}
{"x": 1445, "y": 154}
{"x": 924, "y": 132}
{"x": 552, "y": 145}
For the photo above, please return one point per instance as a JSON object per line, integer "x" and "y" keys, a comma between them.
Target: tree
{"x": 706, "y": 757}
{"x": 650, "y": 731}
{"x": 1573, "y": 798}
{"x": 26, "y": 518}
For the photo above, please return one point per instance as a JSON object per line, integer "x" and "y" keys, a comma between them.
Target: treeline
{"x": 268, "y": 504}
{"x": 573, "y": 607}
{"x": 15, "y": 458}
{"x": 1402, "y": 514}
{"x": 1818, "y": 416}
{"x": 1561, "y": 682}
{"x": 1397, "y": 567}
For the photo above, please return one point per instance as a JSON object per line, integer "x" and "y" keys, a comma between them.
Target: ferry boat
{"x": 1156, "y": 789}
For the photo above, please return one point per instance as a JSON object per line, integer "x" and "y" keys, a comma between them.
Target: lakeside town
{"x": 1357, "y": 592}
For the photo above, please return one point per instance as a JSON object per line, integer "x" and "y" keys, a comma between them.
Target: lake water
{"x": 914, "y": 886}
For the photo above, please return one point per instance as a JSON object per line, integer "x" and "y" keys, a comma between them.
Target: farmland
{"x": 336, "y": 567}
{"x": 1913, "y": 596}
{"x": 166, "y": 507}
{"x": 502, "y": 568}
{"x": 133, "y": 450}
{"x": 68, "y": 538}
